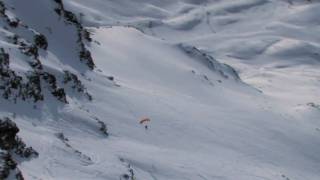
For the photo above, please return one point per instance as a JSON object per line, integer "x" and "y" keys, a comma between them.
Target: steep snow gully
{"x": 230, "y": 89}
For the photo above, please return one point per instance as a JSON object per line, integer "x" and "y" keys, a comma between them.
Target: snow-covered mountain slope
{"x": 77, "y": 77}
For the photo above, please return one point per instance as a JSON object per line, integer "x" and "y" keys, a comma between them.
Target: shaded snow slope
{"x": 162, "y": 59}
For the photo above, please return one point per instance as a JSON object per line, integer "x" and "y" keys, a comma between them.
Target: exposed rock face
{"x": 41, "y": 41}
{"x": 8, "y": 167}
{"x": 8, "y": 131}
{"x": 11, "y": 143}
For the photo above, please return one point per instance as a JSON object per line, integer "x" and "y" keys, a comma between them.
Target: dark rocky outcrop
{"x": 8, "y": 166}
{"x": 103, "y": 128}
{"x": 10, "y": 144}
{"x": 8, "y": 132}
{"x": 41, "y": 41}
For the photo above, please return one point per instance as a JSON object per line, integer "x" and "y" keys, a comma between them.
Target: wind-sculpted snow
{"x": 229, "y": 88}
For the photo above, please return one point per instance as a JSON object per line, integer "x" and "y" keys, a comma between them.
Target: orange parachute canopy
{"x": 144, "y": 120}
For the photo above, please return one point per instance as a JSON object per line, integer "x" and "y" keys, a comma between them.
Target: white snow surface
{"x": 204, "y": 126}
